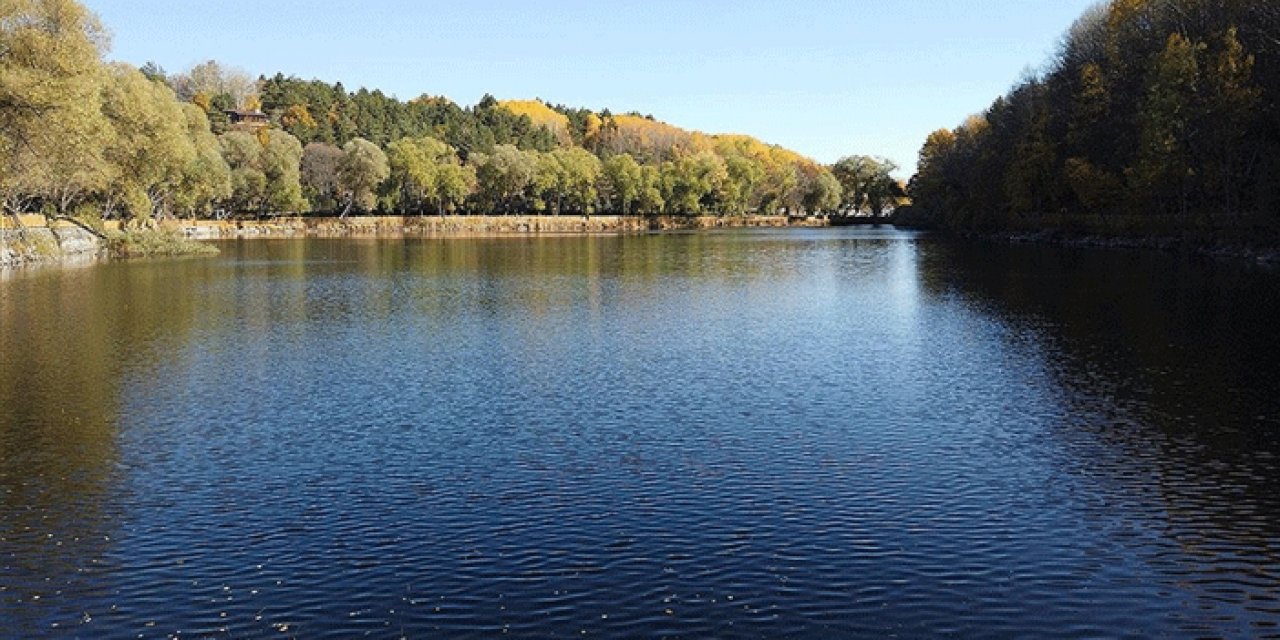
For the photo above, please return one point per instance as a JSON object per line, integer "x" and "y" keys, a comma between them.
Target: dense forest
{"x": 85, "y": 139}
{"x": 1155, "y": 116}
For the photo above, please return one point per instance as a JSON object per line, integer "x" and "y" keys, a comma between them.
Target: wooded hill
{"x": 1156, "y": 116}
{"x": 83, "y": 138}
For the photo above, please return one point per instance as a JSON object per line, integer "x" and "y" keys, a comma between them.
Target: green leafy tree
{"x": 362, "y": 170}
{"x": 425, "y": 169}
{"x": 623, "y": 180}
{"x": 504, "y": 176}
{"x": 281, "y": 164}
{"x": 745, "y": 174}
{"x": 580, "y": 172}
{"x": 649, "y": 199}
{"x": 454, "y": 184}
{"x": 822, "y": 192}
{"x": 693, "y": 184}
{"x": 866, "y": 183}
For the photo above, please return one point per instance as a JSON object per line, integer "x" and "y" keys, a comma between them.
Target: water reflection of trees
{"x": 1169, "y": 368}
{"x": 70, "y": 341}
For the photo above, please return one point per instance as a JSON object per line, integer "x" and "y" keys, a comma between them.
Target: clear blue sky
{"x": 824, "y": 77}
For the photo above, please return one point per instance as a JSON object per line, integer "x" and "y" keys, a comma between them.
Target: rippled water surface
{"x": 806, "y": 434}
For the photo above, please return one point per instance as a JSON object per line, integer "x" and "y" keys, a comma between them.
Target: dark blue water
{"x": 805, "y": 434}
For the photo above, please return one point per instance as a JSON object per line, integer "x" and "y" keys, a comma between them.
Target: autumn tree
{"x": 206, "y": 178}
{"x": 152, "y": 150}
{"x": 1151, "y": 110}
{"x": 1164, "y": 163}
{"x": 50, "y": 82}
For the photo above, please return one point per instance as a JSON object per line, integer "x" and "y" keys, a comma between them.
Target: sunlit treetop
{"x": 541, "y": 115}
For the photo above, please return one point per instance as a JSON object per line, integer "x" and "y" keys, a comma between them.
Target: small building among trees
{"x": 253, "y": 119}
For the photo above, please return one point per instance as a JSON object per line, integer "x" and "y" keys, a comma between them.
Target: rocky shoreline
{"x": 60, "y": 243}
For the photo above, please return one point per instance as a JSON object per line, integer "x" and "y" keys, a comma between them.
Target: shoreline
{"x": 471, "y": 226}
{"x": 38, "y": 242}
{"x": 41, "y": 243}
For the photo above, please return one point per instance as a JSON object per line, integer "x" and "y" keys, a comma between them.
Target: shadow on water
{"x": 1169, "y": 370}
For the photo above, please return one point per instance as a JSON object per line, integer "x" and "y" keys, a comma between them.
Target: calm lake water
{"x": 793, "y": 433}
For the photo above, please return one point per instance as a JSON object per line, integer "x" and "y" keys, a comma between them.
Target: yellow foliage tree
{"x": 542, "y": 116}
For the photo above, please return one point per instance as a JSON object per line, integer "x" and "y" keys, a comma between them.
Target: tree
{"x": 50, "y": 80}
{"x": 1233, "y": 98}
{"x": 319, "y": 175}
{"x": 1164, "y": 163}
{"x": 206, "y": 81}
{"x": 866, "y": 183}
{"x": 745, "y": 175}
{"x": 206, "y": 178}
{"x": 362, "y": 169}
{"x": 822, "y": 191}
{"x": 426, "y": 169}
{"x": 281, "y": 164}
{"x": 623, "y": 180}
{"x": 454, "y": 183}
{"x": 66, "y": 170}
{"x": 568, "y": 176}
{"x": 504, "y": 175}
{"x": 265, "y": 170}
{"x": 548, "y": 178}
{"x": 1150, "y": 107}
{"x": 650, "y": 201}
{"x": 151, "y": 149}
{"x": 243, "y": 154}
{"x": 694, "y": 184}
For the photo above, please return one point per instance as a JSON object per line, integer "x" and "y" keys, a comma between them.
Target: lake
{"x": 818, "y": 433}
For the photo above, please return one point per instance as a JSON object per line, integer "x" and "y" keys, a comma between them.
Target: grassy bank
{"x": 158, "y": 242}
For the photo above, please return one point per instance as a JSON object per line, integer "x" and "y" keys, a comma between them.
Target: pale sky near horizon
{"x": 824, "y": 77}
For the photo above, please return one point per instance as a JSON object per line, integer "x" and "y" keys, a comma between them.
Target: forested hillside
{"x": 1156, "y": 116}
{"x": 84, "y": 138}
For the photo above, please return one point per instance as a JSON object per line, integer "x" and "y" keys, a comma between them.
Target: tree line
{"x": 1154, "y": 116}
{"x": 82, "y": 138}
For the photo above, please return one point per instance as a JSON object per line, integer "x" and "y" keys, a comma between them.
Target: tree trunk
{"x": 82, "y": 225}
{"x": 17, "y": 220}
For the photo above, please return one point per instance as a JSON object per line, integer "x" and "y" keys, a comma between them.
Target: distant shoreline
{"x": 472, "y": 226}
{"x": 40, "y": 242}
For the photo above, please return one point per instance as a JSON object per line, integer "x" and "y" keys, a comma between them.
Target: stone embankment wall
{"x": 469, "y": 226}
{"x": 35, "y": 241}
